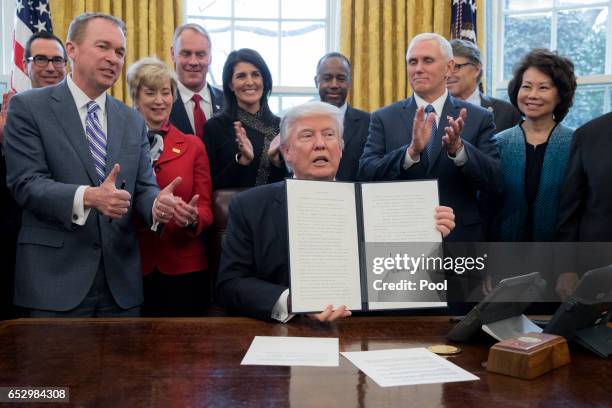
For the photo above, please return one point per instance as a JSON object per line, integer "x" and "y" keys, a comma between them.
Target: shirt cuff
{"x": 460, "y": 158}
{"x": 280, "y": 311}
{"x": 408, "y": 162}
{"x": 155, "y": 223}
{"x": 79, "y": 212}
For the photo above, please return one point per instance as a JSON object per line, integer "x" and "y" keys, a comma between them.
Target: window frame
{"x": 332, "y": 43}
{"x": 498, "y": 14}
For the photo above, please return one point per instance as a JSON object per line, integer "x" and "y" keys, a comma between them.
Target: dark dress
{"x": 222, "y": 148}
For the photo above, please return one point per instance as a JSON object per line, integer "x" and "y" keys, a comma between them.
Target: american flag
{"x": 31, "y": 16}
{"x": 463, "y": 20}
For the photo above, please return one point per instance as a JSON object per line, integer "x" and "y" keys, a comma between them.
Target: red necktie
{"x": 199, "y": 119}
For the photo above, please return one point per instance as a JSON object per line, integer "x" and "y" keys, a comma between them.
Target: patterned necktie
{"x": 96, "y": 139}
{"x": 199, "y": 119}
{"x": 433, "y": 143}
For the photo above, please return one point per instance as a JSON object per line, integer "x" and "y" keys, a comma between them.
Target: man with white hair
{"x": 254, "y": 270}
{"x": 433, "y": 135}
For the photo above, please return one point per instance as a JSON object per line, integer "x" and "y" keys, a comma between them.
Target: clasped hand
{"x": 421, "y": 133}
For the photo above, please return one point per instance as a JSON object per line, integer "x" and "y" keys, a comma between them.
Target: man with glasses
{"x": 45, "y": 59}
{"x": 45, "y": 63}
{"x": 464, "y": 83}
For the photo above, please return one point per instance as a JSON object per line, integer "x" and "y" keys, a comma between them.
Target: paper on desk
{"x": 292, "y": 351}
{"x": 394, "y": 367}
{"x": 510, "y": 327}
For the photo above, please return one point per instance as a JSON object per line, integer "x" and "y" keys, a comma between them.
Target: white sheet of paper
{"x": 323, "y": 245}
{"x": 395, "y": 367}
{"x": 292, "y": 351}
{"x": 400, "y": 212}
{"x": 510, "y": 327}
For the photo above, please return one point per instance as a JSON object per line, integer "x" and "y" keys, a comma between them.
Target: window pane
{"x": 302, "y": 44}
{"x": 274, "y": 104}
{"x": 304, "y": 9}
{"x": 261, "y": 36}
{"x": 521, "y": 34}
{"x": 588, "y": 104}
{"x": 220, "y": 36}
{"x": 582, "y": 37}
{"x": 527, "y": 4}
{"x": 256, "y": 9}
{"x": 578, "y": 2}
{"x": 502, "y": 94}
{"x": 210, "y": 8}
{"x": 291, "y": 101}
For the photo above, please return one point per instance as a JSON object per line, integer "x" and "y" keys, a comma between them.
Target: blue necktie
{"x": 433, "y": 145}
{"x": 96, "y": 139}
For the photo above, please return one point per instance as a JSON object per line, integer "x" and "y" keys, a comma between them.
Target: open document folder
{"x": 345, "y": 239}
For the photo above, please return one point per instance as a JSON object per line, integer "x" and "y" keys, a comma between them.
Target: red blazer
{"x": 177, "y": 249}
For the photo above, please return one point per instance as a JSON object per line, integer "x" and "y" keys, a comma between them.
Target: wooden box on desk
{"x": 528, "y": 355}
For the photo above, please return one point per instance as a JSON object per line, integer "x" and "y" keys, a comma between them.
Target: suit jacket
{"x": 254, "y": 265}
{"x": 505, "y": 115}
{"x": 384, "y": 153}
{"x": 177, "y": 249}
{"x": 48, "y": 158}
{"x": 178, "y": 114}
{"x": 585, "y": 207}
{"x": 513, "y": 220}
{"x": 356, "y": 123}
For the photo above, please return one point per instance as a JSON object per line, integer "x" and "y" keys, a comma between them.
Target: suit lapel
{"x": 65, "y": 110}
{"x": 174, "y": 147}
{"x": 349, "y": 126}
{"x": 114, "y": 132}
{"x": 280, "y": 221}
{"x": 450, "y": 109}
{"x": 179, "y": 115}
{"x": 215, "y": 98}
{"x": 408, "y": 111}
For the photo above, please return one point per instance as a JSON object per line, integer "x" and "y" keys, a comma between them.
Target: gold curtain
{"x": 150, "y": 25}
{"x": 374, "y": 37}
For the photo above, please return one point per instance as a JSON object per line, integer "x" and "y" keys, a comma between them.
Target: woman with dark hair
{"x": 242, "y": 142}
{"x": 534, "y": 153}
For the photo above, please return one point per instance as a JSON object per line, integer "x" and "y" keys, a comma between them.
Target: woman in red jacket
{"x": 174, "y": 263}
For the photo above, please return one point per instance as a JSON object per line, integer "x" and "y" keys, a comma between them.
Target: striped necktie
{"x": 430, "y": 149}
{"x": 96, "y": 139}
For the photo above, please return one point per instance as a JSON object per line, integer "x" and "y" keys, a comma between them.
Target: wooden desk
{"x": 196, "y": 362}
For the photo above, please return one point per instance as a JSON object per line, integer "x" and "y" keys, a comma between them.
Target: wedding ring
{"x": 163, "y": 214}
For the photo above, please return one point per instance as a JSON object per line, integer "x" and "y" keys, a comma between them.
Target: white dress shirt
{"x": 79, "y": 213}
{"x": 205, "y": 102}
{"x": 461, "y": 157}
{"x": 474, "y": 98}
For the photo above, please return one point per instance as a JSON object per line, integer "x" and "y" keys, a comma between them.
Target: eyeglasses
{"x": 43, "y": 61}
{"x": 457, "y": 67}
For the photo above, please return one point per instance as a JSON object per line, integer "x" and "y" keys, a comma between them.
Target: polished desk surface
{"x": 196, "y": 362}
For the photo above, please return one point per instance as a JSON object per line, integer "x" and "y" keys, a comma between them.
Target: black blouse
{"x": 221, "y": 146}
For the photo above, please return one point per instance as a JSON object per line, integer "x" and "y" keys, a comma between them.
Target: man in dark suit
{"x": 453, "y": 143}
{"x": 196, "y": 100}
{"x": 67, "y": 146}
{"x": 334, "y": 81}
{"x": 464, "y": 83}
{"x": 253, "y": 274}
{"x": 585, "y": 206}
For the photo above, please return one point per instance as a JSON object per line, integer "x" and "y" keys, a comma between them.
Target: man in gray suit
{"x": 67, "y": 148}
{"x": 464, "y": 83}
{"x": 334, "y": 81}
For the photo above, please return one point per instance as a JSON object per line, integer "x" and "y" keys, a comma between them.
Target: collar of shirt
{"x": 187, "y": 94}
{"x": 81, "y": 100}
{"x": 343, "y": 109}
{"x": 438, "y": 104}
{"x": 474, "y": 98}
